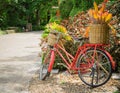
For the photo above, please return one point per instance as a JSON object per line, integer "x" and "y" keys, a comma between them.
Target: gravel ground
{"x": 66, "y": 83}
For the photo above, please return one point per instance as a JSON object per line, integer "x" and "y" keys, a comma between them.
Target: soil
{"x": 66, "y": 83}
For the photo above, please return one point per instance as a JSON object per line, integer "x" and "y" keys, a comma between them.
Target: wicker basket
{"x": 52, "y": 39}
{"x": 99, "y": 34}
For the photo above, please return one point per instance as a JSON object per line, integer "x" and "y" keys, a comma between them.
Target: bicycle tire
{"x": 98, "y": 72}
{"x": 43, "y": 73}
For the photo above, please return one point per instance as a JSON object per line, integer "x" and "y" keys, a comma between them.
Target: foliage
{"x": 65, "y": 8}
{"x": 117, "y": 91}
{"x": 82, "y": 5}
{"x": 38, "y": 12}
{"x": 37, "y": 28}
{"x": 53, "y": 27}
{"x": 57, "y": 27}
{"x": 74, "y": 11}
{"x": 115, "y": 52}
{"x": 55, "y": 19}
{"x": 20, "y": 12}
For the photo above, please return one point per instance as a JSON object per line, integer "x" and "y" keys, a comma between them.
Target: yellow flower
{"x": 67, "y": 37}
{"x": 58, "y": 28}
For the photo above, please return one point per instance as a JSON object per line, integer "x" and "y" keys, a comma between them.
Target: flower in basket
{"x": 99, "y": 15}
{"x": 58, "y": 28}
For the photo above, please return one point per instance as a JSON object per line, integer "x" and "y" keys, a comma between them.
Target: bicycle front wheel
{"x": 94, "y": 67}
{"x": 43, "y": 73}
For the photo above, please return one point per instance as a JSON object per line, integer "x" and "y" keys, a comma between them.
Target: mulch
{"x": 66, "y": 83}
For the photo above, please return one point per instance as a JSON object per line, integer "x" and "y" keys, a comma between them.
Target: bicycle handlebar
{"x": 78, "y": 39}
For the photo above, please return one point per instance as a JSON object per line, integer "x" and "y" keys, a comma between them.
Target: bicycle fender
{"x": 111, "y": 60}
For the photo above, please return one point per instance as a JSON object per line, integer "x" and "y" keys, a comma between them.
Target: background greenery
{"x": 17, "y": 13}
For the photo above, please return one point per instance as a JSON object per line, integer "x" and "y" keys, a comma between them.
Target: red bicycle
{"x": 92, "y": 63}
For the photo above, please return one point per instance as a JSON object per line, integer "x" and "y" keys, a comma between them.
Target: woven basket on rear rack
{"x": 99, "y": 34}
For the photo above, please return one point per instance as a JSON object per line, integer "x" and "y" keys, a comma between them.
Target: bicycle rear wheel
{"x": 43, "y": 73}
{"x": 95, "y": 67}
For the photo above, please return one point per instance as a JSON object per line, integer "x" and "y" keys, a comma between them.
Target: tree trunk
{"x": 48, "y": 16}
{"x": 37, "y": 17}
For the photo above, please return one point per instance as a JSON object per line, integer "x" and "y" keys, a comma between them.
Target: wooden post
{"x": 28, "y": 27}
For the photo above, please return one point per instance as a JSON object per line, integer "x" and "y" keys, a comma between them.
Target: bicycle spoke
{"x": 98, "y": 67}
{"x": 104, "y": 69}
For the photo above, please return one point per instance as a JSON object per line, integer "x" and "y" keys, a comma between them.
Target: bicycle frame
{"x": 71, "y": 65}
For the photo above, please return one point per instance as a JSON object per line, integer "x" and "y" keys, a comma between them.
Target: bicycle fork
{"x": 52, "y": 60}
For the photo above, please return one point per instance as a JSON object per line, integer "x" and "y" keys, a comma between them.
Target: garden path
{"x": 18, "y": 61}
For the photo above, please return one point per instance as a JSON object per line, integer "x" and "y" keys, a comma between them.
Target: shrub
{"x": 115, "y": 52}
{"x": 75, "y": 11}
{"x": 37, "y": 28}
{"x": 55, "y": 19}
{"x": 65, "y": 8}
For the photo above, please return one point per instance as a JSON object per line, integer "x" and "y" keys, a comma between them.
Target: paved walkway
{"x": 18, "y": 61}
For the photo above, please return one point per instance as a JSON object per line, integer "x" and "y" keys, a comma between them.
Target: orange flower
{"x": 95, "y": 6}
{"x": 90, "y": 12}
{"x": 102, "y": 8}
{"x": 108, "y": 18}
{"x": 86, "y": 34}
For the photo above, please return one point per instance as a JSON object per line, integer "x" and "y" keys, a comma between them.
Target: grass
{"x": 117, "y": 91}
{"x": 2, "y": 32}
